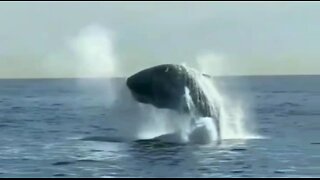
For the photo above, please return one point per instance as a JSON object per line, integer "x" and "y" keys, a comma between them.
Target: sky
{"x": 74, "y": 39}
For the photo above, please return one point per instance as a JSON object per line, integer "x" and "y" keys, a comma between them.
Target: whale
{"x": 164, "y": 86}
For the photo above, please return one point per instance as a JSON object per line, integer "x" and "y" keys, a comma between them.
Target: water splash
{"x": 229, "y": 118}
{"x": 95, "y": 58}
{"x": 235, "y": 117}
{"x": 93, "y": 48}
{"x": 202, "y": 129}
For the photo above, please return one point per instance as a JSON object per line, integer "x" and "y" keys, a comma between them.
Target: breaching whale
{"x": 163, "y": 86}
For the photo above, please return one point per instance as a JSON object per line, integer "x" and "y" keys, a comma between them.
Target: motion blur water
{"x": 53, "y": 128}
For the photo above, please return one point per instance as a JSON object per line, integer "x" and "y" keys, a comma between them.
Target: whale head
{"x": 162, "y": 86}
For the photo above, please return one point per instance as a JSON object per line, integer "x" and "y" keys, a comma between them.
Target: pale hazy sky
{"x": 251, "y": 37}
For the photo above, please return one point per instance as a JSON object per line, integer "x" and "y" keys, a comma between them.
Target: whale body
{"x": 164, "y": 86}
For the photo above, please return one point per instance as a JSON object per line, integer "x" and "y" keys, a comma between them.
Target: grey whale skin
{"x": 163, "y": 86}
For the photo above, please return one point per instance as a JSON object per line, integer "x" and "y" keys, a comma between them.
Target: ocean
{"x": 66, "y": 128}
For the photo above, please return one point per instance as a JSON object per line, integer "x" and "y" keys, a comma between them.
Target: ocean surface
{"x": 63, "y": 128}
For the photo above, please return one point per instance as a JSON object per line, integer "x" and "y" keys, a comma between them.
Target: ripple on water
{"x": 238, "y": 149}
{"x": 59, "y": 175}
{"x": 61, "y": 163}
{"x": 315, "y": 143}
{"x": 238, "y": 171}
{"x": 87, "y": 160}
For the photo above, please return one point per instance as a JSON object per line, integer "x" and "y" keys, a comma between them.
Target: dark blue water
{"x": 60, "y": 128}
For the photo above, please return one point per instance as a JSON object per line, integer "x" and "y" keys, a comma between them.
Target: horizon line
{"x": 116, "y": 77}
